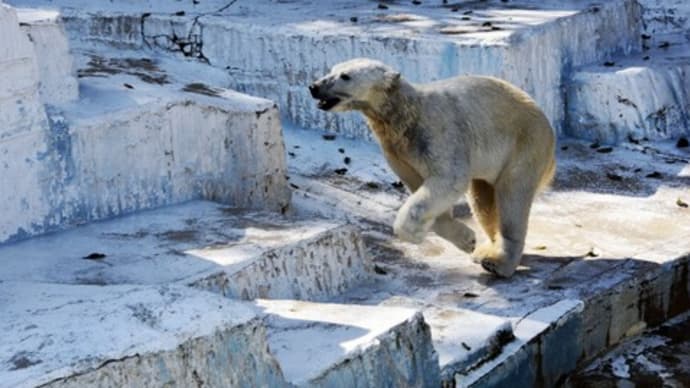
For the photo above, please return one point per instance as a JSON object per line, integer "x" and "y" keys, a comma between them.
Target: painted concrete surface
{"x": 348, "y": 345}
{"x": 275, "y": 50}
{"x": 136, "y": 285}
{"x": 21, "y": 111}
{"x": 235, "y": 253}
{"x": 117, "y": 336}
{"x": 139, "y": 139}
{"x": 621, "y": 267}
{"x": 57, "y": 74}
{"x": 658, "y": 357}
{"x": 645, "y": 96}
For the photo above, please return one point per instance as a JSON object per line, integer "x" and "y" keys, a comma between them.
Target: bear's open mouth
{"x": 328, "y": 103}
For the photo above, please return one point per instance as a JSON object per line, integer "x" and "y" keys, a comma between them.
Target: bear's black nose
{"x": 314, "y": 90}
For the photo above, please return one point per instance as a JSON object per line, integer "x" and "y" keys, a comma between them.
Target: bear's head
{"x": 357, "y": 84}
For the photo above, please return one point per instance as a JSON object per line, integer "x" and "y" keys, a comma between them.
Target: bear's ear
{"x": 393, "y": 78}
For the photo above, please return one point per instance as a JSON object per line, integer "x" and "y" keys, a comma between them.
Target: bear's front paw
{"x": 408, "y": 230}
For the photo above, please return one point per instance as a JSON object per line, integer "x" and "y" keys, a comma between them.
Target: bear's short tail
{"x": 547, "y": 178}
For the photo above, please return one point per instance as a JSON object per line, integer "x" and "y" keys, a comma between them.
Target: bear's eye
{"x": 344, "y": 77}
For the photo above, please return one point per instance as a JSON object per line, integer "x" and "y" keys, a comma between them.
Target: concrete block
{"x": 57, "y": 76}
{"x": 129, "y": 336}
{"x": 21, "y": 110}
{"x": 634, "y": 98}
{"x": 114, "y": 152}
{"x": 532, "y": 45}
{"x": 235, "y": 253}
{"x": 338, "y": 345}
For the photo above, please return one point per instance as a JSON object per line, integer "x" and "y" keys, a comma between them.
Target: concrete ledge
{"x": 235, "y": 253}
{"x": 57, "y": 76}
{"x": 76, "y": 336}
{"x": 338, "y": 345}
{"x": 21, "y": 110}
{"x": 645, "y": 96}
{"x": 118, "y": 150}
{"x": 317, "y": 268}
{"x": 275, "y": 50}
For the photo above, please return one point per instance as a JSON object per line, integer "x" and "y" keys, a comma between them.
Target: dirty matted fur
{"x": 473, "y": 135}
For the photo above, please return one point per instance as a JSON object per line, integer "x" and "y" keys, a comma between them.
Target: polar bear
{"x": 473, "y": 135}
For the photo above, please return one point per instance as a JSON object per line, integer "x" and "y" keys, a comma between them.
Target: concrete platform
{"x": 275, "y": 50}
{"x": 347, "y": 345}
{"x": 44, "y": 29}
{"x": 21, "y": 110}
{"x": 128, "y": 336}
{"x": 235, "y": 253}
{"x": 134, "y": 284}
{"x": 588, "y": 280}
{"x": 137, "y": 139}
{"x": 657, "y": 357}
{"x": 644, "y": 96}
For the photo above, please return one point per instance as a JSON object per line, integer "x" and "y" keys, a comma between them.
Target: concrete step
{"x": 58, "y": 335}
{"x": 275, "y": 50}
{"x": 643, "y": 96}
{"x": 21, "y": 110}
{"x": 663, "y": 19}
{"x": 346, "y": 345}
{"x": 604, "y": 276}
{"x": 238, "y": 254}
{"x": 57, "y": 76}
{"x": 139, "y": 287}
{"x": 139, "y": 137}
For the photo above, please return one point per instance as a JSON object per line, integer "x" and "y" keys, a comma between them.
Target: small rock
{"x": 631, "y": 139}
{"x": 614, "y": 177}
{"x": 654, "y": 175}
{"x": 347, "y": 160}
{"x": 328, "y": 136}
{"x": 593, "y": 252}
{"x": 681, "y": 203}
{"x": 340, "y": 171}
{"x": 604, "y": 150}
{"x": 95, "y": 256}
{"x": 372, "y": 185}
{"x": 682, "y": 143}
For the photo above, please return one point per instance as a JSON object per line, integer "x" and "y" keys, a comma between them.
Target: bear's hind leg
{"x": 455, "y": 231}
{"x": 514, "y": 196}
{"x": 482, "y": 200}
